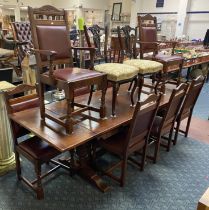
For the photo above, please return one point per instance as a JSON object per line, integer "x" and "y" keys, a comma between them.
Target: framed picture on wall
{"x": 116, "y": 11}
{"x": 160, "y": 3}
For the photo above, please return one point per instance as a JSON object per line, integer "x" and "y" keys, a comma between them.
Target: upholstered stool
{"x": 145, "y": 67}
{"x": 118, "y": 74}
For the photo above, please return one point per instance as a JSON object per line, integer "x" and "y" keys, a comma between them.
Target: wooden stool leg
{"x": 39, "y": 189}
{"x": 69, "y": 121}
{"x": 144, "y": 154}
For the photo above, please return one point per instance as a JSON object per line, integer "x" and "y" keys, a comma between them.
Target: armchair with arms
{"x": 55, "y": 64}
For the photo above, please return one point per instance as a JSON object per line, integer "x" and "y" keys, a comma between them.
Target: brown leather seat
{"x": 38, "y": 149}
{"x": 132, "y": 138}
{"x": 74, "y": 74}
{"x": 33, "y": 148}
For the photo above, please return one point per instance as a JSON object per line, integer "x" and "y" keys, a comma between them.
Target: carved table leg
{"x": 86, "y": 171}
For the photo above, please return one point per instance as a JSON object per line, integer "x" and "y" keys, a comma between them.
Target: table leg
{"x": 7, "y": 156}
{"x": 86, "y": 171}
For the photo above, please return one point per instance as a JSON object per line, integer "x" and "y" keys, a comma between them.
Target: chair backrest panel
{"x": 174, "y": 105}
{"x": 48, "y": 37}
{"x": 142, "y": 121}
{"x": 50, "y": 32}
{"x": 192, "y": 94}
{"x": 147, "y": 33}
{"x": 22, "y": 33}
{"x": 18, "y": 104}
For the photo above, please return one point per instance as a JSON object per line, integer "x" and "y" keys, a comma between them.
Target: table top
{"x": 84, "y": 130}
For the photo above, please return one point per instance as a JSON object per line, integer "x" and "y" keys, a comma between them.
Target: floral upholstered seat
{"x": 145, "y": 66}
{"x": 117, "y": 71}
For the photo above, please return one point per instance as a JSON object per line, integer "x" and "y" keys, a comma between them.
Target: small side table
{"x": 7, "y": 156}
{"x": 203, "y": 203}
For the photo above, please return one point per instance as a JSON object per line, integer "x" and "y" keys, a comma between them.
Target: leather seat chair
{"x": 188, "y": 105}
{"x": 33, "y": 148}
{"x": 164, "y": 124}
{"x": 54, "y": 54}
{"x": 133, "y": 138}
{"x": 149, "y": 44}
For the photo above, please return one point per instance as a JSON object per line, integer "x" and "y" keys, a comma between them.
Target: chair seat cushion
{"x": 38, "y": 149}
{"x": 117, "y": 71}
{"x": 145, "y": 66}
{"x": 168, "y": 58}
{"x": 74, "y": 74}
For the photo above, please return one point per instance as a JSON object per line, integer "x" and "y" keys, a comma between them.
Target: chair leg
{"x": 170, "y": 140}
{"x": 133, "y": 91}
{"x": 39, "y": 188}
{"x": 176, "y": 132}
{"x": 140, "y": 85}
{"x": 90, "y": 95}
{"x": 18, "y": 166}
{"x": 42, "y": 105}
{"x": 188, "y": 124}
{"x": 114, "y": 96}
{"x": 123, "y": 172}
{"x": 130, "y": 86}
{"x": 69, "y": 121}
{"x": 157, "y": 147}
{"x": 144, "y": 154}
{"x": 102, "y": 107}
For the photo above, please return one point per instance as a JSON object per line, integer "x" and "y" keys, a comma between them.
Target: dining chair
{"x": 164, "y": 124}
{"x": 127, "y": 40}
{"x": 117, "y": 73}
{"x": 26, "y": 57}
{"x": 133, "y": 138}
{"x": 188, "y": 105}
{"x": 54, "y": 58}
{"x": 32, "y": 148}
{"x": 98, "y": 37}
{"x": 147, "y": 27}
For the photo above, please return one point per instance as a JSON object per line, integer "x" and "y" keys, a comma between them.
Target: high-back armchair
{"x": 148, "y": 43}
{"x": 54, "y": 58}
{"x": 26, "y": 58}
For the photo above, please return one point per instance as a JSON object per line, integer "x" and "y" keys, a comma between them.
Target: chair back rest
{"x": 127, "y": 40}
{"x": 20, "y": 103}
{"x": 50, "y": 31}
{"x": 173, "y": 107}
{"x": 147, "y": 33}
{"x": 22, "y": 33}
{"x": 192, "y": 95}
{"x": 96, "y": 32}
{"x": 142, "y": 121}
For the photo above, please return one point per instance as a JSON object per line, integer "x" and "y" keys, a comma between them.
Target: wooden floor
{"x": 199, "y": 129}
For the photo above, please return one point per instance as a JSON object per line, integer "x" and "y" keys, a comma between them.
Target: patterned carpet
{"x": 177, "y": 181}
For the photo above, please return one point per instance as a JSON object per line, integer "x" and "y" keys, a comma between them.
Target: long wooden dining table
{"x": 86, "y": 128}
